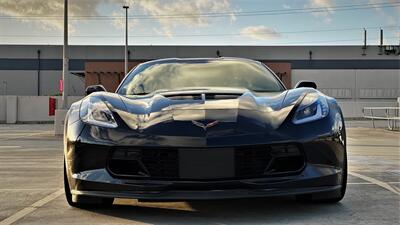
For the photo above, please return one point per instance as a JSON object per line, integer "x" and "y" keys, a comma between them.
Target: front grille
{"x": 249, "y": 162}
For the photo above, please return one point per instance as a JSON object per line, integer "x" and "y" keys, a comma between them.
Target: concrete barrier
{"x": 12, "y": 109}
{"x": 3, "y": 109}
{"x": 28, "y": 109}
{"x": 59, "y": 121}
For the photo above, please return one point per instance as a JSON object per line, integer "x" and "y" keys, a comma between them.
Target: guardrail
{"x": 391, "y": 114}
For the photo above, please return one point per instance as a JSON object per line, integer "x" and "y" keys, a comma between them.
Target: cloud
{"x": 190, "y": 9}
{"x": 379, "y": 8}
{"x": 259, "y": 33}
{"x": 119, "y": 21}
{"x": 193, "y": 11}
{"x": 286, "y": 6}
{"x": 391, "y": 19}
{"x": 24, "y": 8}
{"x": 327, "y": 11}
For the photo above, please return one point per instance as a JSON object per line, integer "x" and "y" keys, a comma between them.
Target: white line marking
{"x": 25, "y": 211}
{"x": 351, "y": 139}
{"x": 10, "y": 146}
{"x": 29, "y": 135}
{"x": 398, "y": 189}
{"x": 351, "y": 183}
{"x": 375, "y": 181}
{"x": 27, "y": 189}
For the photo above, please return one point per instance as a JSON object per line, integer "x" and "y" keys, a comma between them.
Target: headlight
{"x": 312, "y": 107}
{"x": 96, "y": 112}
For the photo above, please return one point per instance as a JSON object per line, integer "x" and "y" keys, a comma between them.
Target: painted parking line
{"x": 27, "y": 210}
{"x": 351, "y": 139}
{"x": 9, "y": 146}
{"x": 27, "y": 189}
{"x": 375, "y": 181}
{"x": 362, "y": 183}
{"x": 398, "y": 189}
{"x": 27, "y": 135}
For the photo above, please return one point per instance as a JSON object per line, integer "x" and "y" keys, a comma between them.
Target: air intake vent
{"x": 208, "y": 96}
{"x": 257, "y": 161}
{"x": 248, "y": 162}
{"x": 155, "y": 163}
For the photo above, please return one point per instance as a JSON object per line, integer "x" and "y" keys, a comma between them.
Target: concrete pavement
{"x": 31, "y": 182}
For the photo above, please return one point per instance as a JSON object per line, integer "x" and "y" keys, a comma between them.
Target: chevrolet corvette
{"x": 198, "y": 129}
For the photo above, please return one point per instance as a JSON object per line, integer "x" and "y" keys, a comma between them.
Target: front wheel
{"x": 83, "y": 201}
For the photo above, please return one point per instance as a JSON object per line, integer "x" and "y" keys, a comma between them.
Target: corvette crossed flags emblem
{"x": 205, "y": 126}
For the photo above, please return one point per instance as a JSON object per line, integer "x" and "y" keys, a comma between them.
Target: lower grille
{"x": 155, "y": 163}
{"x": 260, "y": 161}
{"x": 249, "y": 162}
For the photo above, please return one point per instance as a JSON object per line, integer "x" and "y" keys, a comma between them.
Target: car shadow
{"x": 242, "y": 211}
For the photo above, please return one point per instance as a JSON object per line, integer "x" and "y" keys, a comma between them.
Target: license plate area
{"x": 206, "y": 163}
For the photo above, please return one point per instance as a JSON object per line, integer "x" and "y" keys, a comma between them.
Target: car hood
{"x": 164, "y": 112}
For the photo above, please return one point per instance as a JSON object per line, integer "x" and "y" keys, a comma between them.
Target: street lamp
{"x": 65, "y": 59}
{"x": 126, "y": 38}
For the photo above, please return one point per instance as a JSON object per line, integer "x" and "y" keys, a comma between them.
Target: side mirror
{"x": 94, "y": 88}
{"x": 306, "y": 83}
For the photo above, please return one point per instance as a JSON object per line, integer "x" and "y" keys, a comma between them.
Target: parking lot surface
{"x": 31, "y": 189}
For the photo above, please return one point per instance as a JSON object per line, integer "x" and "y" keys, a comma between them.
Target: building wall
{"x": 353, "y": 84}
{"x": 355, "y": 89}
{"x": 156, "y": 52}
{"x": 25, "y": 82}
{"x": 339, "y": 71}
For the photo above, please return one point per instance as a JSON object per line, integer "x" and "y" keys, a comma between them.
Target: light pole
{"x": 126, "y": 38}
{"x": 65, "y": 77}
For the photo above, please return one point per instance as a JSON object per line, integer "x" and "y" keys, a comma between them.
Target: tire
{"x": 84, "y": 201}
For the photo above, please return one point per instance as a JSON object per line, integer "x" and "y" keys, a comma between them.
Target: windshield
{"x": 175, "y": 75}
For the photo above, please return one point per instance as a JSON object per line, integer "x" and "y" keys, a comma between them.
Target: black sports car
{"x": 185, "y": 129}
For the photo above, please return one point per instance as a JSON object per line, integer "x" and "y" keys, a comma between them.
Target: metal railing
{"x": 390, "y": 114}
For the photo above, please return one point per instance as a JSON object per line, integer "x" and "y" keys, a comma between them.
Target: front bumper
{"x": 320, "y": 174}
{"x": 314, "y": 179}
{"x": 88, "y": 173}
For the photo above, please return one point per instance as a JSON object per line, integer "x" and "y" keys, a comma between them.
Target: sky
{"x": 201, "y": 22}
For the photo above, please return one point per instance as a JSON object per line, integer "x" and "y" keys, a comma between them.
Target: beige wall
{"x": 24, "y": 82}
{"x": 358, "y": 85}
{"x": 31, "y": 108}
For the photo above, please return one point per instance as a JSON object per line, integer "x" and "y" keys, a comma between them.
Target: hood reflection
{"x": 268, "y": 112}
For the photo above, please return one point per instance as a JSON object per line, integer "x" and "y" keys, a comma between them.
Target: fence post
{"x": 372, "y": 116}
